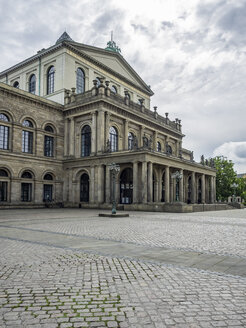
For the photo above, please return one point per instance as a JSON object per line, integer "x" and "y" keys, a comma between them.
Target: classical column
{"x": 159, "y": 185}
{"x": 214, "y": 184}
{"x": 135, "y": 182}
{"x": 100, "y": 131}
{"x": 107, "y": 123}
{"x": 155, "y": 141}
{"x": 181, "y": 187}
{"x": 172, "y": 195}
{"x": 141, "y": 136}
{"x": 150, "y": 182}
{"x": 100, "y": 183}
{"x": 66, "y": 137}
{"x": 144, "y": 182}
{"x": 125, "y": 135}
{"x": 203, "y": 188}
{"x": 107, "y": 185}
{"x": 167, "y": 185}
{"x": 71, "y": 137}
{"x": 193, "y": 188}
{"x": 93, "y": 133}
{"x": 207, "y": 200}
{"x": 92, "y": 185}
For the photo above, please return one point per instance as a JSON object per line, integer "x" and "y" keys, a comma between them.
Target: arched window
{"x": 48, "y": 188}
{"x": 126, "y": 187}
{"x": 27, "y": 124}
{"x": 80, "y": 81}
{"x": 113, "y": 138}
{"x": 49, "y": 142}
{"x": 16, "y": 84}
{"x": 130, "y": 140}
{"x": 98, "y": 81}
{"x": 49, "y": 128}
{"x": 26, "y": 175}
{"x": 84, "y": 188}
{"x": 3, "y": 173}
{"x": 26, "y": 187}
{"x": 50, "y": 80}
{"x": 4, "y": 118}
{"x": 48, "y": 176}
{"x": 158, "y": 146}
{"x": 32, "y": 84}
{"x": 4, "y": 132}
{"x": 169, "y": 150}
{"x": 3, "y": 185}
{"x": 27, "y": 137}
{"x": 114, "y": 89}
{"x": 86, "y": 141}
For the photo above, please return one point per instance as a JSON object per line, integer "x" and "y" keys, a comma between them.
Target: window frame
{"x": 80, "y": 80}
{"x": 32, "y": 84}
{"x": 86, "y": 141}
{"x": 114, "y": 139}
{"x": 50, "y": 80}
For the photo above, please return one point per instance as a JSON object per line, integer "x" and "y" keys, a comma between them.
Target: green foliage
{"x": 241, "y": 189}
{"x": 225, "y": 177}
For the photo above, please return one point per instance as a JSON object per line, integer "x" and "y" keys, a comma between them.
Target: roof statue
{"x": 64, "y": 37}
{"x": 111, "y": 45}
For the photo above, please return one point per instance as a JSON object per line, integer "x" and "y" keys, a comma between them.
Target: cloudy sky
{"x": 191, "y": 52}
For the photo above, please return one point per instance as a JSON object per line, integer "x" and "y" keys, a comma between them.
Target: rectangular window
{"x": 27, "y": 142}
{"x": 26, "y": 192}
{"x": 48, "y": 146}
{"x": 3, "y": 191}
{"x": 4, "y": 137}
{"x": 48, "y": 191}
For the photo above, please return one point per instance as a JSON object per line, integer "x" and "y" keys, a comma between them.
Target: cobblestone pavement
{"x": 50, "y": 286}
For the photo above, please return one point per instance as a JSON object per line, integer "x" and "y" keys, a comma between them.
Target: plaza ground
{"x": 71, "y": 268}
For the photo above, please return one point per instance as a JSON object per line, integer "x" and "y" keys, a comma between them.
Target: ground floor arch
{"x": 84, "y": 188}
{"x": 126, "y": 186}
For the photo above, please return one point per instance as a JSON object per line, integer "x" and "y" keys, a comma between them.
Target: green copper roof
{"x": 111, "y": 46}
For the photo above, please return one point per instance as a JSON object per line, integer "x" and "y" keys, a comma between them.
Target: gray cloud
{"x": 166, "y": 25}
{"x": 240, "y": 151}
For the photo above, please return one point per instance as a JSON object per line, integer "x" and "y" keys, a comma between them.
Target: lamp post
{"x": 115, "y": 169}
{"x": 234, "y": 186}
{"x": 177, "y": 176}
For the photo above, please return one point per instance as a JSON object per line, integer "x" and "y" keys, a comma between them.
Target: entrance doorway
{"x": 84, "y": 188}
{"x": 126, "y": 187}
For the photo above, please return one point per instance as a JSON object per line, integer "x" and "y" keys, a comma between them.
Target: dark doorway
{"x": 84, "y": 188}
{"x": 199, "y": 196}
{"x": 126, "y": 187}
{"x": 189, "y": 191}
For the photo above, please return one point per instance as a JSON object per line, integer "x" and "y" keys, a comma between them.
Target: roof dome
{"x": 64, "y": 37}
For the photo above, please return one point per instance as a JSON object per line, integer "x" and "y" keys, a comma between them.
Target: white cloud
{"x": 191, "y": 52}
{"x": 235, "y": 151}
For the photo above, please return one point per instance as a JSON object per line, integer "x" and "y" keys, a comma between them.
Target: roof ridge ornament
{"x": 64, "y": 37}
{"x": 111, "y": 45}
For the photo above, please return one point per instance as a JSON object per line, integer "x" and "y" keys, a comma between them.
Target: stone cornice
{"x": 139, "y": 156}
{"x": 122, "y": 110}
{"x": 29, "y": 97}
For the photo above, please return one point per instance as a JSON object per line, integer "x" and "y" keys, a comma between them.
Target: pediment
{"x": 114, "y": 61}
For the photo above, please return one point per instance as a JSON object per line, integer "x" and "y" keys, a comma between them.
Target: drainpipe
{"x": 6, "y": 78}
{"x": 39, "y": 75}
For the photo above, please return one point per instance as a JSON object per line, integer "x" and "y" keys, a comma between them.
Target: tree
{"x": 241, "y": 188}
{"x": 225, "y": 177}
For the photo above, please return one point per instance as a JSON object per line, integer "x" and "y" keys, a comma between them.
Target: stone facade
{"x": 75, "y": 137}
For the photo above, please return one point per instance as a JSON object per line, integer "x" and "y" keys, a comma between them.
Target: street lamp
{"x": 115, "y": 169}
{"x": 234, "y": 186}
{"x": 177, "y": 176}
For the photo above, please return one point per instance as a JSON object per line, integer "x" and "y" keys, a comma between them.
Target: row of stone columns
{"x": 100, "y": 125}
